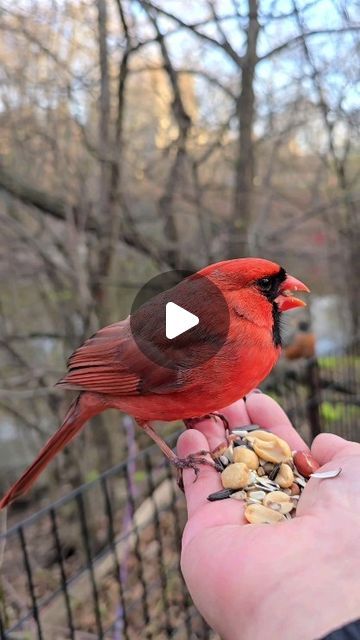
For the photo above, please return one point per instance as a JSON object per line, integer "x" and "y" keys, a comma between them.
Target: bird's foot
{"x": 192, "y": 461}
{"x": 190, "y": 423}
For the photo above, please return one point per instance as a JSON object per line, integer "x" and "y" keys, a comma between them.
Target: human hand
{"x": 295, "y": 580}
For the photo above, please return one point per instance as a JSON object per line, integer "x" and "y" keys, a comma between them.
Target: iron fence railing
{"x": 320, "y": 394}
{"x": 103, "y": 562}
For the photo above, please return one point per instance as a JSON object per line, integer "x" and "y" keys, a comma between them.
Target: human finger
{"x": 208, "y": 480}
{"x": 328, "y": 446}
{"x": 268, "y": 414}
{"x": 214, "y": 429}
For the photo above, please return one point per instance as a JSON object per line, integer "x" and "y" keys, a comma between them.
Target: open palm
{"x": 295, "y": 580}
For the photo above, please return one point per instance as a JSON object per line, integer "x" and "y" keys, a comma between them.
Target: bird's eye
{"x": 265, "y": 284}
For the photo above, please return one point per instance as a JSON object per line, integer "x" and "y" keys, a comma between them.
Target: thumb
{"x": 328, "y": 446}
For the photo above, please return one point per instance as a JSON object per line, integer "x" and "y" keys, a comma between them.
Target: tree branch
{"x": 31, "y": 196}
{"x": 309, "y": 34}
{"x": 194, "y": 29}
{"x": 57, "y": 208}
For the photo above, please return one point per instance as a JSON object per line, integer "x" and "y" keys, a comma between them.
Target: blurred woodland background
{"x": 140, "y": 136}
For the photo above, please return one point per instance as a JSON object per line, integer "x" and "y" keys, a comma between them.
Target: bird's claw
{"x": 190, "y": 423}
{"x": 192, "y": 461}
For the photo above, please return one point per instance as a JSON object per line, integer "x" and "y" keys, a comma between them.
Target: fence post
{"x": 314, "y": 396}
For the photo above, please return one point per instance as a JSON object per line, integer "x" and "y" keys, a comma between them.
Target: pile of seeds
{"x": 259, "y": 468}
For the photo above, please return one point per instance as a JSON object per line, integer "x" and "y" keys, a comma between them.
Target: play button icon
{"x": 178, "y": 320}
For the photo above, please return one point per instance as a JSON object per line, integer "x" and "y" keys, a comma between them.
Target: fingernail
{"x": 252, "y": 391}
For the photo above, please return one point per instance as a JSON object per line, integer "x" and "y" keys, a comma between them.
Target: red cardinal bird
{"x": 111, "y": 371}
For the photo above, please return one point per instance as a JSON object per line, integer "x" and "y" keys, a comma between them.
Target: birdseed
{"x": 272, "y": 484}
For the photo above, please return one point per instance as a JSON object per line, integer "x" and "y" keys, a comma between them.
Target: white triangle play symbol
{"x": 178, "y": 320}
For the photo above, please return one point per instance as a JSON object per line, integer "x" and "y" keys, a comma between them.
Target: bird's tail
{"x": 84, "y": 407}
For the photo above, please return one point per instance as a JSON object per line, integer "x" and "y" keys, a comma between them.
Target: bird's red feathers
{"x": 111, "y": 371}
{"x": 99, "y": 364}
{"x": 111, "y": 363}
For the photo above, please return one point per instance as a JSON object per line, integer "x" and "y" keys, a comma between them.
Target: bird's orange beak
{"x": 284, "y": 300}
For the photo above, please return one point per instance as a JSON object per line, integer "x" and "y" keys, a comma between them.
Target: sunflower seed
{"x": 220, "y": 495}
{"x": 253, "y": 476}
{"x": 273, "y": 489}
{"x": 266, "y": 482}
{"x": 300, "y": 481}
{"x": 273, "y": 473}
{"x": 228, "y": 453}
{"x": 326, "y": 474}
{"x": 242, "y": 431}
{"x": 239, "y": 495}
{"x": 257, "y": 495}
{"x": 265, "y": 487}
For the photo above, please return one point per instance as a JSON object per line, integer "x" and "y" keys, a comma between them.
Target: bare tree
{"x": 136, "y": 139}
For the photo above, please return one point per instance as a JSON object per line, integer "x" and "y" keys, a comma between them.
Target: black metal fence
{"x": 320, "y": 394}
{"x": 103, "y": 562}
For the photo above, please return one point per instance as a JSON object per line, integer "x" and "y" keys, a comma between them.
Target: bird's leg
{"x": 190, "y": 462}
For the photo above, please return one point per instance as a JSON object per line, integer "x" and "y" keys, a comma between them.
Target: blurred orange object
{"x": 303, "y": 345}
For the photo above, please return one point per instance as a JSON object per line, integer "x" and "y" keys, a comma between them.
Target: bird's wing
{"x": 110, "y": 362}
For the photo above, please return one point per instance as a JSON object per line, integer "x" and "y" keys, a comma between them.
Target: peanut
{"x": 305, "y": 463}
{"x": 258, "y": 514}
{"x": 235, "y": 476}
{"x": 269, "y": 447}
{"x": 285, "y": 477}
{"x": 248, "y": 457}
{"x": 279, "y": 501}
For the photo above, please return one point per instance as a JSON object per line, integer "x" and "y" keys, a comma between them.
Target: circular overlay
{"x": 193, "y": 293}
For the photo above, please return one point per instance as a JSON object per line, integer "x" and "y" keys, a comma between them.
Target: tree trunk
{"x": 244, "y": 166}
{"x": 107, "y": 216}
